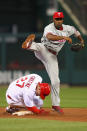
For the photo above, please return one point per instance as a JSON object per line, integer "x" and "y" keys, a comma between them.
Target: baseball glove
{"x": 76, "y": 47}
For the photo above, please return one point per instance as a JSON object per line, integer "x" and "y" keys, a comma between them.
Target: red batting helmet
{"x": 58, "y": 15}
{"x": 45, "y": 90}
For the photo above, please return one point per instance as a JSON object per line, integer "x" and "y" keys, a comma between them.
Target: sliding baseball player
{"x": 27, "y": 92}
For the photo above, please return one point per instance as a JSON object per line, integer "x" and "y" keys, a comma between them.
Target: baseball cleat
{"x": 11, "y": 109}
{"x": 27, "y": 43}
{"x": 58, "y": 109}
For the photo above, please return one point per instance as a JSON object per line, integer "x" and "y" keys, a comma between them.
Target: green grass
{"x": 2, "y": 96}
{"x": 70, "y": 97}
{"x": 74, "y": 97}
{"x": 40, "y": 125}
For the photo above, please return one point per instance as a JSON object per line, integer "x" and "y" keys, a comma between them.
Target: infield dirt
{"x": 70, "y": 114}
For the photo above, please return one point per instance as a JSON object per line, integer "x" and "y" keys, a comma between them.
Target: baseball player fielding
{"x": 55, "y": 35}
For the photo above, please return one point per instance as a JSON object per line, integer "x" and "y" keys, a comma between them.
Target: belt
{"x": 52, "y": 51}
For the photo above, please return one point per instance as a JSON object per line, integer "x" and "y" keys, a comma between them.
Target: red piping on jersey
{"x": 60, "y": 28}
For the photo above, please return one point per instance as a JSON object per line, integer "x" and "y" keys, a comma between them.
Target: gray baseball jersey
{"x": 57, "y": 45}
{"x": 49, "y": 59}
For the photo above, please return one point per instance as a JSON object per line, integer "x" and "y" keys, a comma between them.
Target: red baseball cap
{"x": 58, "y": 15}
{"x": 45, "y": 89}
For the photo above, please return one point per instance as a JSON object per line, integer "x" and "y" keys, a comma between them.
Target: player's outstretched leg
{"x": 28, "y": 41}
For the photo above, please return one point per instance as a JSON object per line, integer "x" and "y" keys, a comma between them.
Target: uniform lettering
{"x": 61, "y": 40}
{"x": 20, "y": 83}
{"x": 30, "y": 81}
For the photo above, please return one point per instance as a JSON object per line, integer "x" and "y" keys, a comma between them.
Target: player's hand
{"x": 68, "y": 39}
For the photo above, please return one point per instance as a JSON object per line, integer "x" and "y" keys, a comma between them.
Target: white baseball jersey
{"x": 57, "y": 45}
{"x": 21, "y": 92}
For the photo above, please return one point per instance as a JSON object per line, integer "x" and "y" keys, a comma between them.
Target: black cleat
{"x": 11, "y": 109}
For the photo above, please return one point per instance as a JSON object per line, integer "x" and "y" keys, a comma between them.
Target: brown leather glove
{"x": 76, "y": 47}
